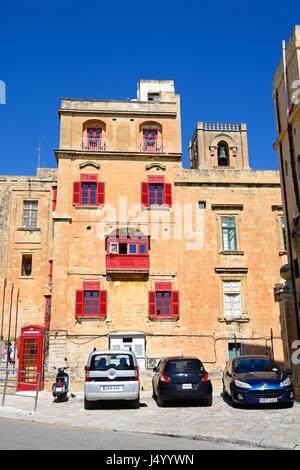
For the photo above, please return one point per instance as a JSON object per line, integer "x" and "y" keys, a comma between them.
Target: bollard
{"x": 5, "y": 388}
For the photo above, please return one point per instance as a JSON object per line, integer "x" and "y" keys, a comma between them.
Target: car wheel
{"x": 160, "y": 401}
{"x": 209, "y": 402}
{"x": 88, "y": 405}
{"x": 135, "y": 404}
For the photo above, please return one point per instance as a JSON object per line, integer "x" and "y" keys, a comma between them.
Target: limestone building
{"x": 145, "y": 254}
{"x": 286, "y": 95}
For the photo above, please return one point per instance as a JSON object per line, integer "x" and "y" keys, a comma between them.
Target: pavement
{"x": 267, "y": 427}
{"x": 19, "y": 435}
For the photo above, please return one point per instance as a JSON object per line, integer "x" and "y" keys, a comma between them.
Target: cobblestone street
{"x": 266, "y": 428}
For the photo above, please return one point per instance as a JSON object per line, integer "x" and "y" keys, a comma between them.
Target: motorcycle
{"x": 61, "y": 387}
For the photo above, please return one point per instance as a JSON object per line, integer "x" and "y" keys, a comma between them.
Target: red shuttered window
{"x": 88, "y": 192}
{"x": 163, "y": 302}
{"x": 156, "y": 192}
{"x": 54, "y": 197}
{"x": 91, "y": 302}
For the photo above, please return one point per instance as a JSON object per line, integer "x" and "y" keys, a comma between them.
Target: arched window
{"x": 151, "y": 137}
{"x": 93, "y": 135}
{"x": 223, "y": 154}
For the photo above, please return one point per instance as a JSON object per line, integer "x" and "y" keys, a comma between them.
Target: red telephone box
{"x": 31, "y": 349}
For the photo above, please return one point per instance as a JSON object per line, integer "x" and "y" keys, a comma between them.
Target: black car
{"x": 257, "y": 380}
{"x": 181, "y": 378}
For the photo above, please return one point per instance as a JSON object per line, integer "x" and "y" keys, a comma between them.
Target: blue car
{"x": 255, "y": 380}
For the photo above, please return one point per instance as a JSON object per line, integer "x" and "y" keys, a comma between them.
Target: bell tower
{"x": 219, "y": 146}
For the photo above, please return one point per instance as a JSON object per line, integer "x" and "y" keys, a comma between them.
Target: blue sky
{"x": 222, "y": 56}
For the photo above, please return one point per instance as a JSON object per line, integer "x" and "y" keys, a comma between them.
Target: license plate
{"x": 268, "y": 400}
{"x": 58, "y": 389}
{"x": 111, "y": 388}
{"x": 187, "y": 386}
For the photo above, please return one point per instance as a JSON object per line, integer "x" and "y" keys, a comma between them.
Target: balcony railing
{"x": 151, "y": 146}
{"x": 215, "y": 126}
{"x": 94, "y": 144}
{"x": 127, "y": 263}
{"x": 143, "y": 145}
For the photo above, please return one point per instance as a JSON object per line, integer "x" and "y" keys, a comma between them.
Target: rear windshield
{"x": 112, "y": 361}
{"x": 246, "y": 366}
{"x": 184, "y": 365}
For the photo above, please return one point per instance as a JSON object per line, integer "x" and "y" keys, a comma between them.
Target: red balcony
{"x": 125, "y": 263}
{"x": 127, "y": 255}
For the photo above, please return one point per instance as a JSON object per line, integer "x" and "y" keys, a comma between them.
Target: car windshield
{"x": 246, "y": 366}
{"x": 104, "y": 362}
{"x": 183, "y": 365}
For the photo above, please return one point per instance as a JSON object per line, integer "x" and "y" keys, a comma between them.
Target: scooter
{"x": 61, "y": 387}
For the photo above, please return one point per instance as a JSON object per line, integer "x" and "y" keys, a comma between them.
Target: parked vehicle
{"x": 61, "y": 387}
{"x": 257, "y": 380}
{"x": 111, "y": 375}
{"x": 181, "y": 378}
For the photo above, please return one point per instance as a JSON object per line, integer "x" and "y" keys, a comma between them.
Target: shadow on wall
{"x": 261, "y": 350}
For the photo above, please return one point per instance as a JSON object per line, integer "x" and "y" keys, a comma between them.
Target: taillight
{"x": 136, "y": 374}
{"x": 205, "y": 378}
{"x": 87, "y": 374}
{"x": 59, "y": 383}
{"x": 164, "y": 378}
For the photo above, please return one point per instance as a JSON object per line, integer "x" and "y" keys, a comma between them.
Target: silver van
{"x": 111, "y": 375}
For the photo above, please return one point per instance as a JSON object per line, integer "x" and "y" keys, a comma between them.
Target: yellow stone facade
{"x": 186, "y": 242}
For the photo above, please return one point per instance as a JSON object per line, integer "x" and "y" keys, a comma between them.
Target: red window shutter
{"x": 175, "y": 304}
{"x": 156, "y": 179}
{"x": 163, "y": 286}
{"x": 89, "y": 178}
{"x": 100, "y": 193}
{"x": 145, "y": 195}
{"x": 168, "y": 194}
{"x": 54, "y": 197}
{"x": 152, "y": 303}
{"x": 79, "y": 303}
{"x": 103, "y": 303}
{"x": 76, "y": 193}
{"x": 91, "y": 285}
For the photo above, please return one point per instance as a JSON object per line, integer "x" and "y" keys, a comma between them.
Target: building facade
{"x": 147, "y": 255}
{"x": 286, "y": 95}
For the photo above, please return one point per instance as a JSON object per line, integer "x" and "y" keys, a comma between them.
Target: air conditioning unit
{"x": 152, "y": 362}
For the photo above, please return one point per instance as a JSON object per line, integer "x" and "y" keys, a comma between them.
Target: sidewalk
{"x": 269, "y": 428}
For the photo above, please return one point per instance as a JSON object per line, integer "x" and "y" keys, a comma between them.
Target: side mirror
{"x": 155, "y": 369}
{"x": 228, "y": 374}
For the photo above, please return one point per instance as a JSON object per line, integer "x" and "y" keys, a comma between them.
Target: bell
{"x": 222, "y": 154}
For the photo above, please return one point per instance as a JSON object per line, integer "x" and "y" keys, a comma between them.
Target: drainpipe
{"x": 3, "y": 307}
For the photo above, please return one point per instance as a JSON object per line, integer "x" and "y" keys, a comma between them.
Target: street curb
{"x": 228, "y": 440}
{"x": 193, "y": 437}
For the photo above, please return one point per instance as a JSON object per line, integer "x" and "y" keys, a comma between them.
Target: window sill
{"x": 100, "y": 206}
{"x": 163, "y": 319}
{"x": 26, "y": 277}
{"x": 85, "y": 318}
{"x": 28, "y": 229}
{"x": 232, "y": 253}
{"x": 156, "y": 208}
{"x": 233, "y": 320}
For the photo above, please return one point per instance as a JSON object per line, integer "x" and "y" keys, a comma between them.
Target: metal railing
{"x": 94, "y": 144}
{"x": 9, "y": 380}
{"x": 215, "y": 126}
{"x": 151, "y": 146}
